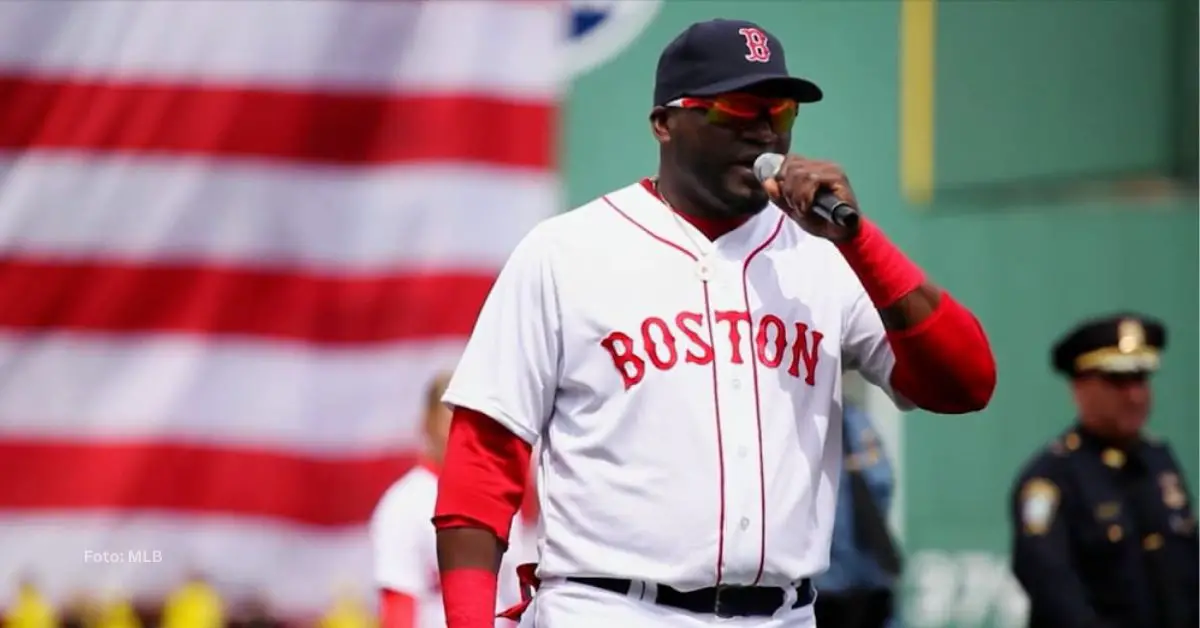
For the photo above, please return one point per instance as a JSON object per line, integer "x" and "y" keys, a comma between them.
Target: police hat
{"x": 1119, "y": 344}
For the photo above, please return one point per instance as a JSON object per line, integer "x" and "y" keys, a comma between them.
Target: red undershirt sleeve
{"x": 945, "y": 363}
{"x": 482, "y": 485}
{"x": 483, "y": 478}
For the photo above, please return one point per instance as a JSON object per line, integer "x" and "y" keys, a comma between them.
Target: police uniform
{"x": 1105, "y": 535}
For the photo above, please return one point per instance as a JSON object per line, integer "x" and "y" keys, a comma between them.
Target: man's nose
{"x": 759, "y": 130}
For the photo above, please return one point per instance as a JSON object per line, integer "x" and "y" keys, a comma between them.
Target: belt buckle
{"x": 718, "y": 606}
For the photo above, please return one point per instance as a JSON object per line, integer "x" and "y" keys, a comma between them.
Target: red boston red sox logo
{"x": 773, "y": 343}
{"x": 756, "y": 43}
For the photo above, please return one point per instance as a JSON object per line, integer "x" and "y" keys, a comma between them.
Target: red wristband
{"x": 885, "y": 271}
{"x": 469, "y": 597}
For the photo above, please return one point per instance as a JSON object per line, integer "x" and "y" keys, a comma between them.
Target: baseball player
{"x": 676, "y": 349}
{"x": 404, "y": 545}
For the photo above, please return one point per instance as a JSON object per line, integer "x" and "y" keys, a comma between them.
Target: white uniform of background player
{"x": 406, "y": 554}
{"x": 404, "y": 543}
{"x": 688, "y": 405}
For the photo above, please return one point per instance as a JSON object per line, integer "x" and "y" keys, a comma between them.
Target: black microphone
{"x": 825, "y": 204}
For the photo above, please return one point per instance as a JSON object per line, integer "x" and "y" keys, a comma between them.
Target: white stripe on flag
{"x": 477, "y": 46}
{"x": 325, "y": 218}
{"x": 209, "y": 391}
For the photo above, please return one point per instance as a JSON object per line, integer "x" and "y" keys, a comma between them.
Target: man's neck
{"x": 712, "y": 224}
{"x": 1107, "y": 438}
{"x": 676, "y": 194}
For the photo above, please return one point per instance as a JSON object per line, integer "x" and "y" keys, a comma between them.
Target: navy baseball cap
{"x": 719, "y": 56}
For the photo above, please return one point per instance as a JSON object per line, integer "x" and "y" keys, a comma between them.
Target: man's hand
{"x": 795, "y": 187}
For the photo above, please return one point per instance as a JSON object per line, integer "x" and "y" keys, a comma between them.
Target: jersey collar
{"x": 639, "y": 204}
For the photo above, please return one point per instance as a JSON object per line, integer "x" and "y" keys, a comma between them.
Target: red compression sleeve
{"x": 945, "y": 363}
{"x": 397, "y": 610}
{"x": 483, "y": 477}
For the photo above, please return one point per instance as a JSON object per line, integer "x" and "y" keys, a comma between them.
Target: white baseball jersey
{"x": 405, "y": 549}
{"x": 688, "y": 392}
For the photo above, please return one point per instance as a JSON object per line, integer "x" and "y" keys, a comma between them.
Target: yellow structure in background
{"x": 194, "y": 605}
{"x": 30, "y": 610}
{"x": 918, "y": 65}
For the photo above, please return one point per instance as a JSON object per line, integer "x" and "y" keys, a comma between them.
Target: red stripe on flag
{"x": 48, "y": 475}
{"x": 244, "y": 121}
{"x": 114, "y": 297}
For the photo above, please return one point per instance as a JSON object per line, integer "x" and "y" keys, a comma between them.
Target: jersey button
{"x": 742, "y": 451}
{"x": 737, "y": 384}
{"x": 745, "y": 523}
{"x": 703, "y": 271}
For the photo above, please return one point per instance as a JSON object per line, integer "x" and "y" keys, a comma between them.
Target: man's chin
{"x": 1133, "y": 426}
{"x": 743, "y": 198}
{"x": 748, "y": 203}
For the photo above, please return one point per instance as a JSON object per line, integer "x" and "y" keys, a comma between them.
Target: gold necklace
{"x": 678, "y": 221}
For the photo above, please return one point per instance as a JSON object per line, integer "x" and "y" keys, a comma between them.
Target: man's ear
{"x": 660, "y": 124}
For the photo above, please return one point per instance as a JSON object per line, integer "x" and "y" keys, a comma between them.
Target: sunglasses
{"x": 740, "y": 109}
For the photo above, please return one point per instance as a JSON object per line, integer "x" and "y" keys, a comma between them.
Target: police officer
{"x": 1104, "y": 534}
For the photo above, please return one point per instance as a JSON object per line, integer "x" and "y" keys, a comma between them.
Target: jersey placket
{"x": 737, "y": 411}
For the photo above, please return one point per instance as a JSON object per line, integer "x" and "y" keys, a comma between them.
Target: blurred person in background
{"x": 1104, "y": 534}
{"x": 255, "y": 613}
{"x": 195, "y": 604}
{"x": 404, "y": 542}
{"x": 80, "y": 609}
{"x": 857, "y": 591}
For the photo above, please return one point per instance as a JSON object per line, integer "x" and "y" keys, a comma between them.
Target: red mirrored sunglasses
{"x": 734, "y": 109}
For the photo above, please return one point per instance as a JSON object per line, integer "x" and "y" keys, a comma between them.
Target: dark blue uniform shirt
{"x": 1105, "y": 536}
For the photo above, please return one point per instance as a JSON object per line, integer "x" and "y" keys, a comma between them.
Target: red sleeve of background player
{"x": 483, "y": 478}
{"x": 397, "y": 610}
{"x": 944, "y": 363}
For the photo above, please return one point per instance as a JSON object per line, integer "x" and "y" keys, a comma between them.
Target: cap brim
{"x": 798, "y": 89}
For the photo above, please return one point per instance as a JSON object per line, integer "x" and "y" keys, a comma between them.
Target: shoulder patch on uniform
{"x": 1172, "y": 493}
{"x": 1039, "y": 501}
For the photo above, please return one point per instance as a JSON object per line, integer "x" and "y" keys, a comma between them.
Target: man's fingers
{"x": 801, "y": 186}
{"x": 772, "y": 188}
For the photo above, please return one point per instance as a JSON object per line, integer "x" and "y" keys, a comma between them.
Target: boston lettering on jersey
{"x": 689, "y": 337}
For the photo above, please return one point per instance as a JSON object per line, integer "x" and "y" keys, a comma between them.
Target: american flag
{"x": 236, "y": 239}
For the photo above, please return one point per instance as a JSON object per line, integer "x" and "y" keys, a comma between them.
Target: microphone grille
{"x": 767, "y": 166}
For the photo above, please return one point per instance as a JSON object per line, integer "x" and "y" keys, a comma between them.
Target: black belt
{"x": 722, "y": 601}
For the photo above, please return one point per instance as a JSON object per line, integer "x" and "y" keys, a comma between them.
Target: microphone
{"x": 825, "y": 204}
